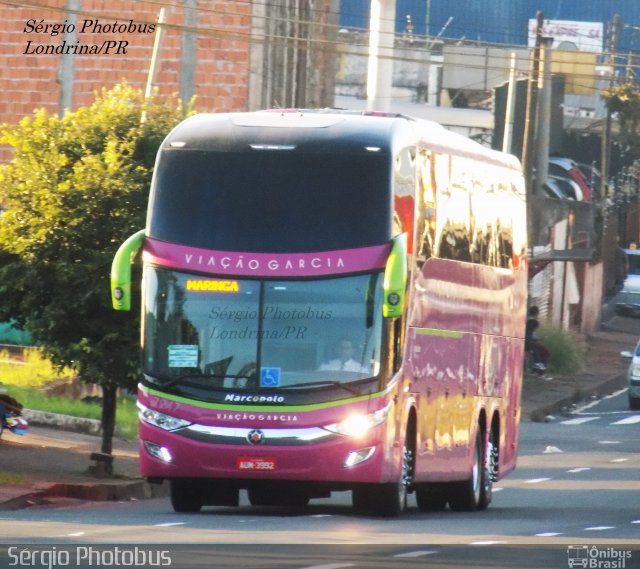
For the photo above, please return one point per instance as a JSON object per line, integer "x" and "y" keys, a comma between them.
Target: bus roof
{"x": 332, "y": 130}
{"x": 311, "y": 130}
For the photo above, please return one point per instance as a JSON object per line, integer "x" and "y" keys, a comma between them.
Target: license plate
{"x": 255, "y": 464}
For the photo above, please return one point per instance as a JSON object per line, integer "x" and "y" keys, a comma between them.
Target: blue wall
{"x": 500, "y": 21}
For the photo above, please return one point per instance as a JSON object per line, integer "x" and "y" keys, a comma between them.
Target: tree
{"x": 623, "y": 101}
{"x": 76, "y": 187}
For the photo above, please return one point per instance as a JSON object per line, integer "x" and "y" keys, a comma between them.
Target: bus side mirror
{"x": 121, "y": 271}
{"x": 395, "y": 278}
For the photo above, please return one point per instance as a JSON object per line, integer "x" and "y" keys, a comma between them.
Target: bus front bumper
{"x": 305, "y": 454}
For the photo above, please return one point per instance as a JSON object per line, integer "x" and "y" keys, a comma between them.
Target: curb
{"x": 540, "y": 414}
{"x": 62, "y": 422}
{"x": 45, "y": 493}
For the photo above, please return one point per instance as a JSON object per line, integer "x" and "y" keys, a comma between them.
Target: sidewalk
{"x": 49, "y": 467}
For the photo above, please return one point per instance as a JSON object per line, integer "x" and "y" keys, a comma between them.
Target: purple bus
{"x": 331, "y": 301}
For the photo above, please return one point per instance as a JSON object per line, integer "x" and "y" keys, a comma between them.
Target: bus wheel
{"x": 387, "y": 500}
{"x": 475, "y": 492}
{"x": 185, "y": 496}
{"x": 490, "y": 474}
{"x": 431, "y": 497}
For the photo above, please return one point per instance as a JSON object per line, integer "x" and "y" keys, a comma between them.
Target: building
{"x": 230, "y": 56}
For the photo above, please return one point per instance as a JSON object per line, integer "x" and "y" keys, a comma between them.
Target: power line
{"x": 315, "y": 43}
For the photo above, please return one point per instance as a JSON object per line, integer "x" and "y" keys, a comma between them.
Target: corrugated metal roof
{"x": 499, "y": 21}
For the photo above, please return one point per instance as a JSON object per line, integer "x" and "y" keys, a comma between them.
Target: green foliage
{"x": 76, "y": 188}
{"x": 126, "y": 420}
{"x": 32, "y": 370}
{"x": 624, "y": 100}
{"x": 567, "y": 350}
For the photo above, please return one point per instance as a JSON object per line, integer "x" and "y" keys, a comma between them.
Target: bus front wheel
{"x": 387, "y": 500}
{"x": 185, "y": 496}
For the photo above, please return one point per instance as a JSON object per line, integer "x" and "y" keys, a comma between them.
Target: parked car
{"x": 567, "y": 168}
{"x": 633, "y": 377}
{"x": 593, "y": 178}
{"x": 559, "y": 188}
{"x": 552, "y": 190}
{"x": 569, "y": 188}
{"x": 628, "y": 299}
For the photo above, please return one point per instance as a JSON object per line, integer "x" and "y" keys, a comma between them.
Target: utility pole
{"x": 606, "y": 133}
{"x": 381, "y": 43}
{"x": 188, "y": 51}
{"x": 543, "y": 122}
{"x": 67, "y": 68}
{"x": 529, "y": 124}
{"x": 153, "y": 65}
{"x": 509, "y": 112}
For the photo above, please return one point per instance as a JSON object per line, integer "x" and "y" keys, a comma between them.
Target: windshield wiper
{"x": 331, "y": 382}
{"x": 171, "y": 381}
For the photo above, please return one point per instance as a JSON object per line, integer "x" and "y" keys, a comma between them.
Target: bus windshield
{"x": 210, "y": 333}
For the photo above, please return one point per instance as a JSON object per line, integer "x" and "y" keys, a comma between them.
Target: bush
{"x": 567, "y": 350}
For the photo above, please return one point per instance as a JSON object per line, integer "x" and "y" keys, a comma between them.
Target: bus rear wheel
{"x": 475, "y": 492}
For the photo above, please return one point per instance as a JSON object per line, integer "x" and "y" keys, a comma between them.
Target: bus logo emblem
{"x": 255, "y": 437}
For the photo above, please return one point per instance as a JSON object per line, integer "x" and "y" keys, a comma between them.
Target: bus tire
{"x": 491, "y": 466}
{"x": 387, "y": 500}
{"x": 431, "y": 497}
{"x": 475, "y": 492}
{"x": 185, "y": 496}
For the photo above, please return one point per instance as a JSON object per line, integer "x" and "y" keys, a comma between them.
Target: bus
{"x": 331, "y": 301}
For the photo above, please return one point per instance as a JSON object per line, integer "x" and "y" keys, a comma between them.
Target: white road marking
{"x": 620, "y": 460}
{"x": 170, "y": 524}
{"x": 536, "y": 480}
{"x": 330, "y": 566}
{"x": 594, "y": 403}
{"x": 76, "y": 534}
{"x": 416, "y": 553}
{"x": 548, "y": 534}
{"x": 608, "y": 442}
{"x": 488, "y": 542}
{"x": 599, "y": 528}
{"x": 628, "y": 420}
{"x": 579, "y": 420}
{"x": 581, "y": 469}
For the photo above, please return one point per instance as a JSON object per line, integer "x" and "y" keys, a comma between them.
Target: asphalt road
{"x": 576, "y": 485}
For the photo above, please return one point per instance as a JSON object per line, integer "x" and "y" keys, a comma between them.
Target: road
{"x": 576, "y": 484}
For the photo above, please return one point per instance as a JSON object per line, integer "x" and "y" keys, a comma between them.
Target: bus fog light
{"x": 158, "y": 451}
{"x": 358, "y": 456}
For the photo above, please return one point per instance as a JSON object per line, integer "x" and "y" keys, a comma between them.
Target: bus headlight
{"x": 359, "y": 424}
{"x": 160, "y": 420}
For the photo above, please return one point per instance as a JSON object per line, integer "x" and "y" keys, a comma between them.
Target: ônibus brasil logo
{"x": 597, "y": 558}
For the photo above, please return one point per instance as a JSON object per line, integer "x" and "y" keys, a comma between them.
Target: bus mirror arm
{"x": 121, "y": 271}
{"x": 395, "y": 278}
